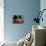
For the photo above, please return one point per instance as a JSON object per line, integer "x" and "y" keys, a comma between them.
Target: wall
{"x": 43, "y": 6}
{"x": 13, "y": 32}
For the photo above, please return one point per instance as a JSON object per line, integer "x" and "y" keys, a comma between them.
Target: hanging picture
{"x": 18, "y": 19}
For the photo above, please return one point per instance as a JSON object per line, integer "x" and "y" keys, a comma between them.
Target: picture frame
{"x": 18, "y": 19}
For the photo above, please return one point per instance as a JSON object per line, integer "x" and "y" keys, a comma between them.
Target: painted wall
{"x": 13, "y": 32}
{"x": 43, "y": 6}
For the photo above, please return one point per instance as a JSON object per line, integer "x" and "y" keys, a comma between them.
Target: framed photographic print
{"x": 18, "y": 19}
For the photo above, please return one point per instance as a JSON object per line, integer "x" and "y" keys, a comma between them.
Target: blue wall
{"x": 43, "y": 6}
{"x": 13, "y": 32}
